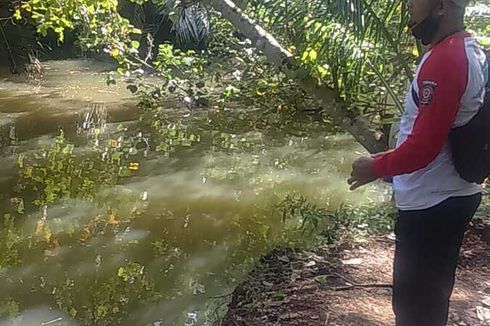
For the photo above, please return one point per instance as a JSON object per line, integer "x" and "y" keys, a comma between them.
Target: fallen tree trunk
{"x": 366, "y": 134}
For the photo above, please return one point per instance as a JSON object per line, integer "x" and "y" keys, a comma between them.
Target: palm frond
{"x": 192, "y": 27}
{"x": 190, "y": 22}
{"x": 362, "y": 42}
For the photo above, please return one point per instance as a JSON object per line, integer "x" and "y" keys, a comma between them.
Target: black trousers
{"x": 427, "y": 249}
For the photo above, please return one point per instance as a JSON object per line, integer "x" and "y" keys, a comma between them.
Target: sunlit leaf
{"x": 134, "y": 166}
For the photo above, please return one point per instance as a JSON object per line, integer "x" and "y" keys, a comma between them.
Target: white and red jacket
{"x": 447, "y": 92}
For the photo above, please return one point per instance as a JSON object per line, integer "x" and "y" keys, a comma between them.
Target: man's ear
{"x": 441, "y": 10}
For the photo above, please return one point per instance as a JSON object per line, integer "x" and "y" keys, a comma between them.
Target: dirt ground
{"x": 350, "y": 286}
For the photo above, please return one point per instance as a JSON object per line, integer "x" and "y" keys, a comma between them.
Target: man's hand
{"x": 362, "y": 173}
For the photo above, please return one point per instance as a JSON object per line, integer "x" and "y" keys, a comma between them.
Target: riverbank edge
{"x": 275, "y": 291}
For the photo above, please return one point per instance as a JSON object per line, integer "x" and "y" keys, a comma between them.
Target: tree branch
{"x": 9, "y": 50}
{"x": 362, "y": 286}
{"x": 366, "y": 134}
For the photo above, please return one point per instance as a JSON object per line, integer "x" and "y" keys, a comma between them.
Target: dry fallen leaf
{"x": 483, "y": 314}
{"x": 113, "y": 143}
{"x": 111, "y": 220}
{"x": 49, "y": 253}
{"x": 284, "y": 259}
{"x": 310, "y": 263}
{"x": 486, "y": 302}
{"x": 354, "y": 261}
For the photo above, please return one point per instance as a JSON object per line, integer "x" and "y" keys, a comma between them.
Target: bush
{"x": 372, "y": 218}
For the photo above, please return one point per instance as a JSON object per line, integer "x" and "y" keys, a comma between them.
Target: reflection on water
{"x": 167, "y": 243}
{"x": 38, "y": 108}
{"x": 41, "y": 316}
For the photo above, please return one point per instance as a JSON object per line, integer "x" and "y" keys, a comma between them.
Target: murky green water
{"x": 169, "y": 240}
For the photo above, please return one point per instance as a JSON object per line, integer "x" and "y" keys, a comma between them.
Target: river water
{"x": 199, "y": 217}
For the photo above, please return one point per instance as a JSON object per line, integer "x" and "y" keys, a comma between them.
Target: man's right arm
{"x": 440, "y": 93}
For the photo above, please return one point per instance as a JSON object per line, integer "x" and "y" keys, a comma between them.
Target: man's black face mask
{"x": 427, "y": 29}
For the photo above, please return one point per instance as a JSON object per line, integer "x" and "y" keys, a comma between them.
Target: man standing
{"x": 435, "y": 204}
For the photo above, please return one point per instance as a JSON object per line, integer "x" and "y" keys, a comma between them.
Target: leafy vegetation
{"x": 360, "y": 50}
{"x": 346, "y": 221}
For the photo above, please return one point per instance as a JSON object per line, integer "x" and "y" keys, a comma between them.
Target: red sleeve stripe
{"x": 442, "y": 82}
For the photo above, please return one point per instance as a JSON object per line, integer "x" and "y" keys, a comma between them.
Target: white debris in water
{"x": 98, "y": 262}
{"x": 40, "y": 316}
{"x": 52, "y": 321}
{"x": 187, "y": 219}
{"x": 105, "y": 154}
{"x": 132, "y": 235}
{"x": 191, "y": 318}
{"x": 198, "y": 289}
{"x": 133, "y": 151}
{"x": 13, "y": 136}
{"x": 44, "y": 212}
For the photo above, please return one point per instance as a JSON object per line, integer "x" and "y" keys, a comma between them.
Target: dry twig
{"x": 354, "y": 285}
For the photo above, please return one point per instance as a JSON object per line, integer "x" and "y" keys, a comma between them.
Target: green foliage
{"x": 8, "y": 308}
{"x": 111, "y": 297}
{"x": 111, "y": 291}
{"x": 190, "y": 22}
{"x": 478, "y": 21}
{"x": 372, "y": 218}
{"x": 63, "y": 171}
{"x": 97, "y": 23}
{"x": 10, "y": 239}
{"x": 307, "y": 214}
{"x": 350, "y": 45}
{"x": 59, "y": 173}
{"x": 362, "y": 49}
{"x": 484, "y": 210}
{"x": 170, "y": 59}
{"x": 184, "y": 74}
{"x": 346, "y": 220}
{"x": 129, "y": 287}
